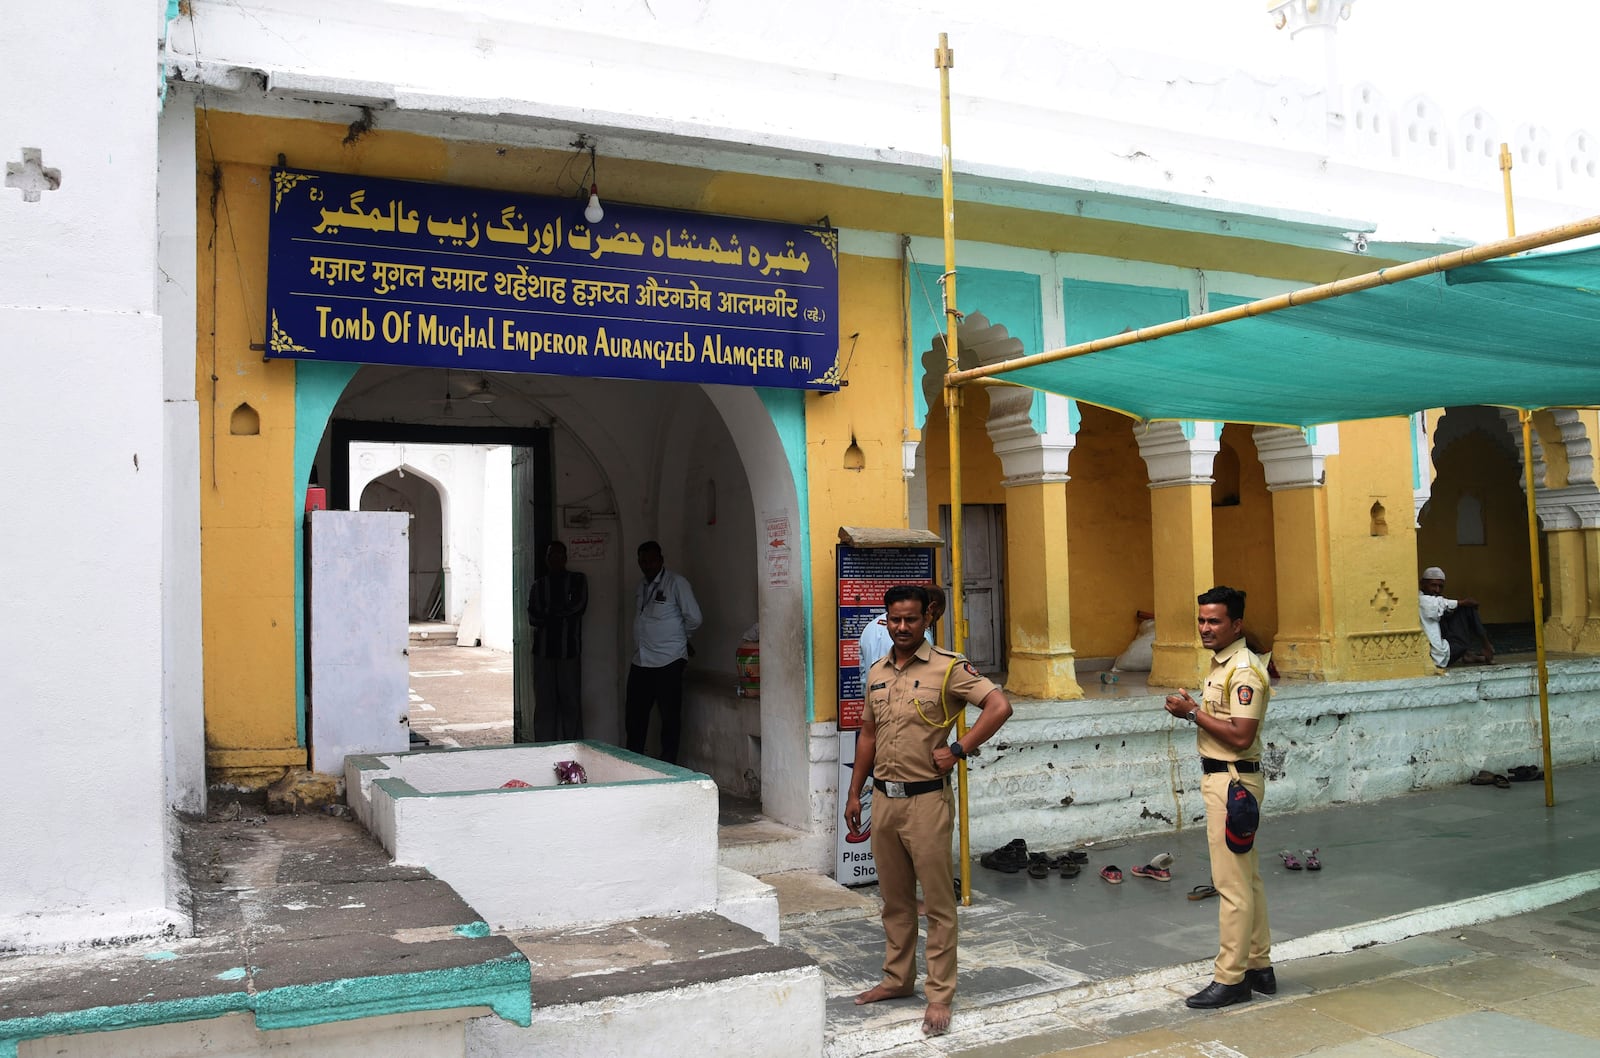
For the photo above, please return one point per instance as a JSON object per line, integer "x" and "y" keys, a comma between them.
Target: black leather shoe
{"x": 1262, "y": 980}
{"x": 1217, "y": 994}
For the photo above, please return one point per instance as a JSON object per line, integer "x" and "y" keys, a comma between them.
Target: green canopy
{"x": 1519, "y": 332}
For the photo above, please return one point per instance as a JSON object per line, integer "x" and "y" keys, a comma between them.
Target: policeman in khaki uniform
{"x": 1229, "y": 739}
{"x": 905, "y": 726}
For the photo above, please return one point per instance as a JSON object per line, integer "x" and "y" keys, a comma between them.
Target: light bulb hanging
{"x": 594, "y": 213}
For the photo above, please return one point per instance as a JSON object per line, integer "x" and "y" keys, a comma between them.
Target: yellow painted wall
{"x": 1497, "y": 573}
{"x": 1243, "y": 554}
{"x": 1374, "y": 577}
{"x": 1108, "y": 527}
{"x": 873, "y": 411}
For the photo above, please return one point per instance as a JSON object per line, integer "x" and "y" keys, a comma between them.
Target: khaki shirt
{"x": 911, "y": 721}
{"x": 1236, "y": 686}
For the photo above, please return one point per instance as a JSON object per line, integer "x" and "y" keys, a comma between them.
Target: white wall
{"x": 81, "y": 544}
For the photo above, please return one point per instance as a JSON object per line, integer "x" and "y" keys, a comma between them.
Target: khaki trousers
{"x": 911, "y": 844}
{"x": 1246, "y": 939}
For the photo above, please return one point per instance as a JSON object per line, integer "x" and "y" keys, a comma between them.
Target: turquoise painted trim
{"x": 1041, "y": 421}
{"x": 317, "y": 388}
{"x": 788, "y": 410}
{"x": 1416, "y": 451}
{"x": 503, "y": 984}
{"x": 115, "y": 1019}
{"x": 1008, "y": 299}
{"x": 474, "y": 930}
{"x": 1187, "y": 426}
{"x": 170, "y": 15}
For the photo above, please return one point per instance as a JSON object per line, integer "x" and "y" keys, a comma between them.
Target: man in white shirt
{"x": 875, "y": 640}
{"x": 665, "y": 614}
{"x": 1453, "y": 626}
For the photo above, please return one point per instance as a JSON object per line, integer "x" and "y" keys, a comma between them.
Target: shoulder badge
{"x": 974, "y": 673}
{"x": 1244, "y": 694}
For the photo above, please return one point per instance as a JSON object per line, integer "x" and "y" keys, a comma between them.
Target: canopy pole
{"x": 945, "y": 60}
{"x": 1383, "y": 277}
{"x": 1538, "y": 603}
{"x": 1536, "y": 572}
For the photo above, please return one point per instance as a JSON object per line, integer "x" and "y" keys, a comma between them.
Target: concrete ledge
{"x": 748, "y": 901}
{"x": 1065, "y": 772}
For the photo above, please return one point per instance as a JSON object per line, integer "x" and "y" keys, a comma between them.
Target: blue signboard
{"x": 375, "y": 271}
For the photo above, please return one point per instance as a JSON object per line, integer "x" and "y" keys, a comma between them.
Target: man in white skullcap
{"x": 1455, "y": 631}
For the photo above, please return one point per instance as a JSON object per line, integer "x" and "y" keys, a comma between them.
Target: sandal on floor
{"x": 1077, "y": 856}
{"x": 1112, "y": 874}
{"x": 1154, "y": 873}
{"x": 1312, "y": 863}
{"x": 1200, "y": 892}
{"x": 1290, "y": 860}
{"x": 1069, "y": 868}
{"x": 1524, "y": 773}
{"x": 1039, "y": 869}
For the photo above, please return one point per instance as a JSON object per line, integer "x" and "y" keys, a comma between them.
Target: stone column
{"x": 1179, "y": 457}
{"x": 1032, "y": 435}
{"x": 1294, "y": 470}
{"x": 1567, "y": 502}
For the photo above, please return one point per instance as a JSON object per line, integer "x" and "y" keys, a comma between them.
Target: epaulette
{"x": 947, "y": 653}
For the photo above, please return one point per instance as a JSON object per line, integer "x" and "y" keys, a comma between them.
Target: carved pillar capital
{"x": 1293, "y": 458}
{"x": 1179, "y": 453}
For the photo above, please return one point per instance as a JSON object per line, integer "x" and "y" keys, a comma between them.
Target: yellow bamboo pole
{"x": 1538, "y": 604}
{"x": 1536, "y": 571}
{"x": 1382, "y": 277}
{"x": 945, "y": 60}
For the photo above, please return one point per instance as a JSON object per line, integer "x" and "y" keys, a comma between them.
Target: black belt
{"x": 1211, "y": 767}
{"x": 907, "y": 789}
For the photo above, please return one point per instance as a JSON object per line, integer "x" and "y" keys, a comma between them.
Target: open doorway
{"x": 603, "y": 465}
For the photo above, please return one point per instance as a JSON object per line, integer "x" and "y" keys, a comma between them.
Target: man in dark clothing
{"x": 556, "y": 603}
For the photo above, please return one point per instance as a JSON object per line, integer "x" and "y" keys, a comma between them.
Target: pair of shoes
{"x": 1069, "y": 868}
{"x": 1200, "y": 892}
{"x": 1154, "y": 873}
{"x": 1077, "y": 856}
{"x": 1112, "y": 874}
{"x": 1262, "y": 980}
{"x": 1307, "y": 859}
{"x": 1008, "y": 858}
{"x": 1216, "y": 994}
{"x": 1524, "y": 773}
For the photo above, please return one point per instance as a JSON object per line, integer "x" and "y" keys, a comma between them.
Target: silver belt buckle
{"x": 894, "y": 789}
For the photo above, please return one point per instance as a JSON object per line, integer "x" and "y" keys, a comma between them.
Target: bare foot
{"x": 936, "y": 1020}
{"x": 880, "y": 992}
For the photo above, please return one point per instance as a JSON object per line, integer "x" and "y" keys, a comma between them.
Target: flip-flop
{"x": 1200, "y": 892}
{"x": 1039, "y": 869}
{"x": 1501, "y": 782}
{"x": 1077, "y": 856}
{"x": 1069, "y": 868}
{"x": 1524, "y": 773}
{"x": 1483, "y": 778}
{"x": 1154, "y": 873}
{"x": 1290, "y": 860}
{"x": 1112, "y": 874}
{"x": 1312, "y": 863}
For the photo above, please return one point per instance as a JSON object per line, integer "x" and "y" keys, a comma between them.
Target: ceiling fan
{"x": 480, "y": 393}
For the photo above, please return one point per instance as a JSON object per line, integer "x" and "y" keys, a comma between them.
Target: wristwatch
{"x": 958, "y": 750}
{"x": 1190, "y": 716}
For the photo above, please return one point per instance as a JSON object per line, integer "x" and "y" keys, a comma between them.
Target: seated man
{"x": 1455, "y": 631}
